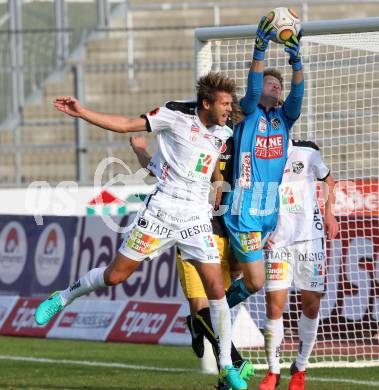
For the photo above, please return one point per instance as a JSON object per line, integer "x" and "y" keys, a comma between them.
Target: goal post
{"x": 341, "y": 114}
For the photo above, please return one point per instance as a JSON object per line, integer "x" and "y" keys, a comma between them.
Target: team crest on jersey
{"x": 217, "y": 142}
{"x": 297, "y": 167}
{"x": 262, "y": 125}
{"x": 154, "y": 112}
{"x": 195, "y": 131}
{"x": 275, "y": 123}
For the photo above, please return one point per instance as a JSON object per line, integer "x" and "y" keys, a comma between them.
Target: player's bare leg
{"x": 252, "y": 281}
{"x": 274, "y": 333}
{"x": 211, "y": 276}
{"x": 117, "y": 272}
{"x": 308, "y": 325}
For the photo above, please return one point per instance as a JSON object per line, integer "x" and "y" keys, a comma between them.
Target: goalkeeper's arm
{"x": 255, "y": 79}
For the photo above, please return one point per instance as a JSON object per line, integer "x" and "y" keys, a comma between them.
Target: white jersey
{"x": 187, "y": 151}
{"x": 299, "y": 214}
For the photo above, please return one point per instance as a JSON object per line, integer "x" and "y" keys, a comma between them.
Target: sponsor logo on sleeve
{"x": 269, "y": 147}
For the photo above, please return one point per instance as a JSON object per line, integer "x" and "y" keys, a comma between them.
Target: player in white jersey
{"x": 296, "y": 257}
{"x": 190, "y": 138}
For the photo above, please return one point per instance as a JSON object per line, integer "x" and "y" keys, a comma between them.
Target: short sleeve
{"x": 160, "y": 119}
{"x": 320, "y": 170}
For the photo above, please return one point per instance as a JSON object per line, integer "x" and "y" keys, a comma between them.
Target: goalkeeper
{"x": 296, "y": 256}
{"x": 260, "y": 151}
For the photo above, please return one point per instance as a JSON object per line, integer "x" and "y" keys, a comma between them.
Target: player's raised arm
{"x": 116, "y": 123}
{"x": 255, "y": 78}
{"x": 294, "y": 100}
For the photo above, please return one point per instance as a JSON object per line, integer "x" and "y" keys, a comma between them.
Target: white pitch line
{"x": 94, "y": 364}
{"x": 165, "y": 369}
{"x": 338, "y": 380}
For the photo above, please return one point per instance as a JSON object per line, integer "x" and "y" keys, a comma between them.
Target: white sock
{"x": 274, "y": 334}
{"x": 91, "y": 281}
{"x": 222, "y": 326}
{"x": 307, "y": 337}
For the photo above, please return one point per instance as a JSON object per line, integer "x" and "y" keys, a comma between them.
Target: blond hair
{"x": 208, "y": 85}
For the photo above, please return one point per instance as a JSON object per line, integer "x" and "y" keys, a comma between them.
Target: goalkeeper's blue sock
{"x": 237, "y": 292}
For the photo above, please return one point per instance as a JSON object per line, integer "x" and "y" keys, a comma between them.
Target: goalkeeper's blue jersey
{"x": 260, "y": 152}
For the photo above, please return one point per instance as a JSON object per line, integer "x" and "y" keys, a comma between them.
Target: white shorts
{"x": 301, "y": 265}
{"x": 166, "y": 222}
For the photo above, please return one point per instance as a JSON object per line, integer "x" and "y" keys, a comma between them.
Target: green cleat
{"x": 246, "y": 370}
{"x": 231, "y": 376}
{"x": 48, "y": 308}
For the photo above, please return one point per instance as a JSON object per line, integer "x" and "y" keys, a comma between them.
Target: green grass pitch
{"x": 41, "y": 364}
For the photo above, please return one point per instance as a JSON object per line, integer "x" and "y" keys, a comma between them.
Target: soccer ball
{"x": 285, "y": 22}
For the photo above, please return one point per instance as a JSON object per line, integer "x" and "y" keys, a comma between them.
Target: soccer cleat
{"x": 230, "y": 375}
{"x": 48, "y": 308}
{"x": 222, "y": 386}
{"x": 197, "y": 338}
{"x": 246, "y": 370}
{"x": 270, "y": 381}
{"x": 297, "y": 381}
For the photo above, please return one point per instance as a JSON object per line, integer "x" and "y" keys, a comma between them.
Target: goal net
{"x": 341, "y": 114}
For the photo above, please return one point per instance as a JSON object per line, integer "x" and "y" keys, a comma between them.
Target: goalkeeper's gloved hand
{"x": 292, "y": 47}
{"x": 265, "y": 32}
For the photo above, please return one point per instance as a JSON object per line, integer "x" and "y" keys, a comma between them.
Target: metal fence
{"x": 122, "y": 56}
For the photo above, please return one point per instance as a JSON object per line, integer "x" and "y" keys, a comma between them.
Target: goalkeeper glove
{"x": 292, "y": 47}
{"x": 265, "y": 32}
